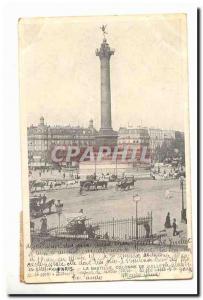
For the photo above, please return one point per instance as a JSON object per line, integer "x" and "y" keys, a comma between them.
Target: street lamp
{"x": 116, "y": 167}
{"x": 136, "y": 199}
{"x": 183, "y": 211}
{"x": 59, "y": 207}
{"x": 95, "y": 165}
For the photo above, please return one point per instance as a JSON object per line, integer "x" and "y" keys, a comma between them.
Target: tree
{"x": 169, "y": 150}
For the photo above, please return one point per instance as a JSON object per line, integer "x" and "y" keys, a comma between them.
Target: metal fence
{"x": 125, "y": 229}
{"x": 115, "y": 229}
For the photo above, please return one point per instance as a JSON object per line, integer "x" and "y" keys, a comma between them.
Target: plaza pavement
{"x": 158, "y": 196}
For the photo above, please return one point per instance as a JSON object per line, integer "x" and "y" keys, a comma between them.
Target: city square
{"x": 156, "y": 196}
{"x": 138, "y": 203}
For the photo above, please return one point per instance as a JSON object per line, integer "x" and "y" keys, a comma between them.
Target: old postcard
{"x": 105, "y": 148}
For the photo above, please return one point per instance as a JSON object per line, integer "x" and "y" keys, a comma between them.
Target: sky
{"x": 60, "y": 73}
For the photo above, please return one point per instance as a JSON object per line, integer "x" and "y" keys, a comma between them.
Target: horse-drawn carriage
{"x": 38, "y": 205}
{"x": 76, "y": 225}
{"x": 35, "y": 185}
{"x": 92, "y": 184}
{"x": 55, "y": 184}
{"x": 125, "y": 184}
{"x": 112, "y": 178}
{"x": 46, "y": 184}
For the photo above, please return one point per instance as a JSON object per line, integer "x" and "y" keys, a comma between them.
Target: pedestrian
{"x": 174, "y": 227}
{"x": 91, "y": 232}
{"x": 168, "y": 221}
{"x": 43, "y": 229}
{"x": 147, "y": 228}
{"x": 64, "y": 175}
{"x": 106, "y": 236}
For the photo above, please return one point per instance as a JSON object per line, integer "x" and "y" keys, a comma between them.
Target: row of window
{"x": 41, "y": 145}
{"x": 59, "y": 142}
{"x": 59, "y": 136}
{"x": 125, "y": 141}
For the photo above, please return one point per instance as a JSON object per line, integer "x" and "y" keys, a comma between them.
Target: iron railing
{"x": 114, "y": 229}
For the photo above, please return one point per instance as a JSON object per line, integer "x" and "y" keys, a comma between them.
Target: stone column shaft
{"x": 105, "y": 94}
{"x": 106, "y": 136}
{"x": 104, "y": 54}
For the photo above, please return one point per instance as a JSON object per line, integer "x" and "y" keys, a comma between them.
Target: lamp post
{"x": 116, "y": 167}
{"x": 59, "y": 207}
{"x": 136, "y": 199}
{"x": 183, "y": 211}
{"x": 95, "y": 166}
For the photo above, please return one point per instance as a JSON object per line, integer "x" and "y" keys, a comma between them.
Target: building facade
{"x": 159, "y": 136}
{"x": 42, "y": 137}
{"x": 137, "y": 136}
{"x": 168, "y": 141}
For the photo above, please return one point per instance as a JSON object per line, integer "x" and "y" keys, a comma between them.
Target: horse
{"x": 125, "y": 184}
{"x": 59, "y": 184}
{"x": 49, "y": 205}
{"x": 87, "y": 184}
{"x": 37, "y": 208}
{"x": 103, "y": 184}
{"x": 38, "y": 184}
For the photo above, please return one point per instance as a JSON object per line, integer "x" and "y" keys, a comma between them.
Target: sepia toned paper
{"x": 105, "y": 148}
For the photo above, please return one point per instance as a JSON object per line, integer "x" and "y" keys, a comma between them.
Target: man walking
{"x": 174, "y": 227}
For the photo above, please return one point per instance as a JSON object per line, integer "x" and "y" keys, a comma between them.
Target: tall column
{"x": 104, "y": 54}
{"x": 106, "y": 134}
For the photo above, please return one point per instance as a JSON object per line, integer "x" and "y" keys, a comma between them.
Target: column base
{"x": 107, "y": 137}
